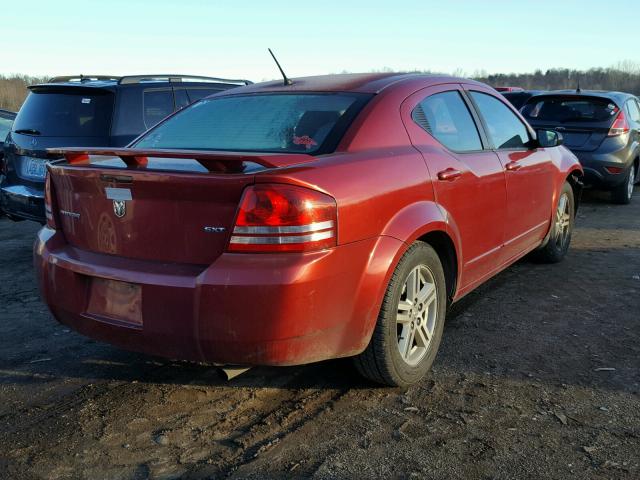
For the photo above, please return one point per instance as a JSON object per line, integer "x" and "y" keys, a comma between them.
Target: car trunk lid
{"x": 165, "y": 206}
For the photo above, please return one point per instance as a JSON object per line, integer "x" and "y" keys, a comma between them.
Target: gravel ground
{"x": 538, "y": 377}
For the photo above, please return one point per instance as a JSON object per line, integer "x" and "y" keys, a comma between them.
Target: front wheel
{"x": 561, "y": 228}
{"x": 409, "y": 327}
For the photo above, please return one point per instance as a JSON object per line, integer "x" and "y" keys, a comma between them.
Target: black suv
{"x": 87, "y": 111}
{"x": 601, "y": 128}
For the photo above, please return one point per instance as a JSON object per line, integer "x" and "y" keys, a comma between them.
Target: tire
{"x": 382, "y": 361}
{"x": 561, "y": 228}
{"x": 622, "y": 193}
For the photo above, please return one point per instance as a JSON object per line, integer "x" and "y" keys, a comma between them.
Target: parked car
{"x": 509, "y": 89}
{"x": 87, "y": 111}
{"x": 518, "y": 99}
{"x": 6, "y": 120}
{"x": 280, "y": 224}
{"x": 601, "y": 128}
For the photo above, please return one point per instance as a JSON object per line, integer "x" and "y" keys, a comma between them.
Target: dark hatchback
{"x": 87, "y": 111}
{"x": 601, "y": 128}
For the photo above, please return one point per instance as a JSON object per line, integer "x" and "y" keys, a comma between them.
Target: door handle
{"x": 513, "y": 166}
{"x": 449, "y": 175}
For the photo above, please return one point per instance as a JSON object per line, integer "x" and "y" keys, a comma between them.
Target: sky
{"x": 230, "y": 39}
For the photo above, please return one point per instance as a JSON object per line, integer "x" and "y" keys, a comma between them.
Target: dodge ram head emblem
{"x": 119, "y": 208}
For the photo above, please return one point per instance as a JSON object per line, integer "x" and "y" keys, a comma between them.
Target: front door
{"x": 529, "y": 174}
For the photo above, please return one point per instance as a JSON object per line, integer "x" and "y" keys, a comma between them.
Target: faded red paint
{"x": 393, "y": 183}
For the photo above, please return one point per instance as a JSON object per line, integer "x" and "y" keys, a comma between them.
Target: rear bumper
{"x": 23, "y": 202}
{"x": 245, "y": 309}
{"x": 595, "y": 167}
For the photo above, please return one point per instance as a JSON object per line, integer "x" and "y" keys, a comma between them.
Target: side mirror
{"x": 549, "y": 138}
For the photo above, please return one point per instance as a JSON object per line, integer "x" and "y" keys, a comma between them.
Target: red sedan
{"x": 275, "y": 224}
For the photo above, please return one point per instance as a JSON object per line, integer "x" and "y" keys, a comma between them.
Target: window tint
{"x": 157, "y": 104}
{"x": 634, "y": 111}
{"x": 74, "y": 113}
{"x": 267, "y": 123}
{"x": 505, "y": 128}
{"x": 447, "y": 118}
{"x": 572, "y": 109}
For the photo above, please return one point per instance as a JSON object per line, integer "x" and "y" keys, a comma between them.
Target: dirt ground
{"x": 538, "y": 377}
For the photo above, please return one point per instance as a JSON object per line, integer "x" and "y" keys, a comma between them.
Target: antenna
{"x": 286, "y": 80}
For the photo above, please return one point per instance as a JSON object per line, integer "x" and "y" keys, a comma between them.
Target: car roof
{"x": 344, "y": 82}
{"x": 611, "y": 95}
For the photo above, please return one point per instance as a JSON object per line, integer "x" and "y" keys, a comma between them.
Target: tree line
{"x": 624, "y": 77}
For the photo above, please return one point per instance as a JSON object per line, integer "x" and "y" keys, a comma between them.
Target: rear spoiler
{"x": 139, "y": 158}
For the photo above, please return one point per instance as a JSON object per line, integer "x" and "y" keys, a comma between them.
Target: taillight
{"x": 48, "y": 203}
{"x": 284, "y": 218}
{"x": 620, "y": 125}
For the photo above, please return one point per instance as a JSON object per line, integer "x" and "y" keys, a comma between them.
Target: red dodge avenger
{"x": 282, "y": 224}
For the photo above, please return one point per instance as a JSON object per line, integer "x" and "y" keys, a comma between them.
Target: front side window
{"x": 446, "y": 117}
{"x": 307, "y": 123}
{"x": 504, "y": 128}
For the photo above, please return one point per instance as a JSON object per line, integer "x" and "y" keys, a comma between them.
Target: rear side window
{"x": 156, "y": 105}
{"x": 68, "y": 113}
{"x": 308, "y": 123}
{"x": 504, "y": 128}
{"x": 574, "y": 109}
{"x": 634, "y": 111}
{"x": 446, "y": 117}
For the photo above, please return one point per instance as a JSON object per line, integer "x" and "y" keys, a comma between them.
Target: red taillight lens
{"x": 614, "y": 170}
{"x": 284, "y": 218}
{"x": 48, "y": 203}
{"x": 620, "y": 125}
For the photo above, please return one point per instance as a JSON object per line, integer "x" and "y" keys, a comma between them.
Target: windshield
{"x": 69, "y": 114}
{"x": 570, "y": 109}
{"x": 307, "y": 123}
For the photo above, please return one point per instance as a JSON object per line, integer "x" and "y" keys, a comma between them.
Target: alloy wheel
{"x": 416, "y": 314}
{"x": 563, "y": 221}
{"x": 631, "y": 182}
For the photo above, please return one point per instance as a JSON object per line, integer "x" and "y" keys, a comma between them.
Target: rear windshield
{"x": 570, "y": 109}
{"x": 68, "y": 114}
{"x": 308, "y": 123}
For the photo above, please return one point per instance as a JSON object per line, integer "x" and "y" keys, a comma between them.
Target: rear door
{"x": 529, "y": 173}
{"x": 469, "y": 180}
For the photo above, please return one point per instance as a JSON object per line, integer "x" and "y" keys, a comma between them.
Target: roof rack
{"x": 82, "y": 78}
{"x": 131, "y": 79}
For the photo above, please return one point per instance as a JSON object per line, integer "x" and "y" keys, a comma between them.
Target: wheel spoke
{"x": 413, "y": 283}
{"x": 423, "y": 336}
{"x": 427, "y": 295}
{"x": 408, "y": 343}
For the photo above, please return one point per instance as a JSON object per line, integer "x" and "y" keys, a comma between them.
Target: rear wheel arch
{"x": 443, "y": 244}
